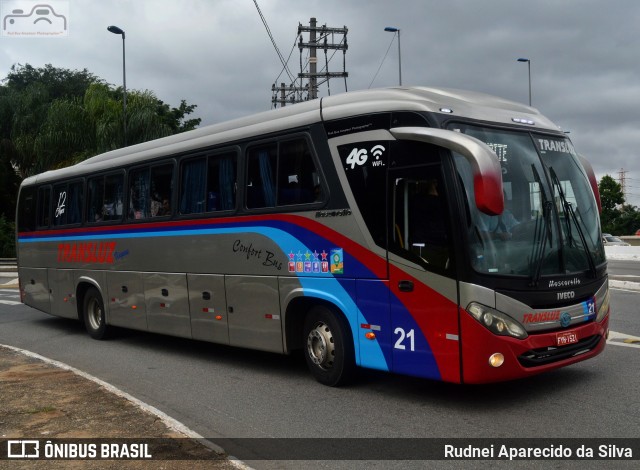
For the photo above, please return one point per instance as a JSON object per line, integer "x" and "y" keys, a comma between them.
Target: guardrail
{"x": 633, "y": 240}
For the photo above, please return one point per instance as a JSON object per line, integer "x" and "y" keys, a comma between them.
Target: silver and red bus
{"x": 431, "y": 232}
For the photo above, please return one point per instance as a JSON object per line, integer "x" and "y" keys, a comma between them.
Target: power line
{"x": 383, "y": 59}
{"x": 264, "y": 22}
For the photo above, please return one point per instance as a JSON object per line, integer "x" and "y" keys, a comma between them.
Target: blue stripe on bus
{"x": 288, "y": 239}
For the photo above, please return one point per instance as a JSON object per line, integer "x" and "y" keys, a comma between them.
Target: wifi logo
{"x": 377, "y": 151}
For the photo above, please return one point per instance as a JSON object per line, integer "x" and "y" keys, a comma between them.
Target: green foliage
{"x": 59, "y": 117}
{"x": 60, "y": 83}
{"x": 7, "y": 238}
{"x": 616, "y": 217}
{"x": 52, "y": 117}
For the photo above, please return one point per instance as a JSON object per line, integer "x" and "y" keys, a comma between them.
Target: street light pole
{"x": 528, "y": 61}
{"x": 391, "y": 29}
{"x": 116, "y": 30}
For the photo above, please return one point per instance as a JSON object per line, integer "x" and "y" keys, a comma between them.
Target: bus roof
{"x": 466, "y": 104}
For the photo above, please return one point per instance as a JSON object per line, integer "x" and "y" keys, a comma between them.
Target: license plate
{"x": 568, "y": 337}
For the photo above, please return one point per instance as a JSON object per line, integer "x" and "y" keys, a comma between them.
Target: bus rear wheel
{"x": 328, "y": 347}
{"x": 93, "y": 314}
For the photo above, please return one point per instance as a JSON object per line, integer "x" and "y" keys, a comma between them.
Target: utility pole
{"x": 622, "y": 180}
{"x": 324, "y": 39}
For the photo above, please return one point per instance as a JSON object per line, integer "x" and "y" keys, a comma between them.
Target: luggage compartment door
{"x": 253, "y": 306}
{"x": 208, "y": 306}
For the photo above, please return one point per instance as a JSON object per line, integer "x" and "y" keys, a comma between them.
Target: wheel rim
{"x": 320, "y": 346}
{"x": 94, "y": 314}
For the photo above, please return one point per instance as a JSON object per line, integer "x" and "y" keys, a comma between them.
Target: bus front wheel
{"x": 93, "y": 314}
{"x": 328, "y": 347}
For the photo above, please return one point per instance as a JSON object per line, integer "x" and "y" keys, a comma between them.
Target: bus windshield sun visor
{"x": 487, "y": 174}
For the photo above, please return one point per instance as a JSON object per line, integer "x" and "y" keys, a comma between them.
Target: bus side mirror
{"x": 487, "y": 174}
{"x": 591, "y": 176}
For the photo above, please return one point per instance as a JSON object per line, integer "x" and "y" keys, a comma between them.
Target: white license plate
{"x": 567, "y": 337}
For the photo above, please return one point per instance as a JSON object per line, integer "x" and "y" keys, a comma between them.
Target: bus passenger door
{"x": 208, "y": 306}
{"x": 424, "y": 313}
{"x": 253, "y": 308}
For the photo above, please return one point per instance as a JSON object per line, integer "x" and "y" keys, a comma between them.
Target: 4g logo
{"x": 360, "y": 156}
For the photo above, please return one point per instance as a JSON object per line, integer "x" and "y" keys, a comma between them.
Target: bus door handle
{"x": 125, "y": 289}
{"x": 206, "y": 295}
{"x": 165, "y": 292}
{"x": 405, "y": 286}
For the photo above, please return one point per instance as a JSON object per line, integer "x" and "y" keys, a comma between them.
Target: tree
{"x": 626, "y": 222}
{"x": 616, "y": 217}
{"x": 59, "y": 83}
{"x": 54, "y": 117}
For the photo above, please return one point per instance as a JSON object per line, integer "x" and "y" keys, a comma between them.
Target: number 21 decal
{"x": 404, "y": 337}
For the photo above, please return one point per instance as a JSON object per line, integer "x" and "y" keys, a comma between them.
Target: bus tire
{"x": 94, "y": 315}
{"x": 328, "y": 347}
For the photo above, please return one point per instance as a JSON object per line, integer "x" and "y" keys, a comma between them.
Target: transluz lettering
{"x": 92, "y": 252}
{"x": 553, "y": 315}
{"x": 562, "y": 146}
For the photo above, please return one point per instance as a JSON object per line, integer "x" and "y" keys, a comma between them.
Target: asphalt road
{"x": 223, "y": 392}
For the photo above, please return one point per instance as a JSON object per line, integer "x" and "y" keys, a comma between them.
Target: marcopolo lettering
{"x": 565, "y": 282}
{"x": 92, "y": 252}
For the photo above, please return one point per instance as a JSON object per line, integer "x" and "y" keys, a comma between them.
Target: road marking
{"x": 170, "y": 422}
{"x": 10, "y": 302}
{"x": 621, "y": 339}
{"x": 624, "y": 285}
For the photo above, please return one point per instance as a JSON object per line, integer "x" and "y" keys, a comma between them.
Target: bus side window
{"x": 27, "y": 210}
{"x": 67, "y": 203}
{"x": 282, "y": 175}
{"x": 161, "y": 190}
{"x": 297, "y": 174}
{"x": 95, "y": 193}
{"x": 221, "y": 182}
{"x": 76, "y": 197}
{"x": 139, "y": 194}
{"x": 105, "y": 198}
{"x": 261, "y": 183}
{"x": 113, "y": 197}
{"x": 44, "y": 206}
{"x": 193, "y": 186}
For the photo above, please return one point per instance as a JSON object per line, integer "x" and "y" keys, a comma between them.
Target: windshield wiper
{"x": 541, "y": 229}
{"x": 568, "y": 208}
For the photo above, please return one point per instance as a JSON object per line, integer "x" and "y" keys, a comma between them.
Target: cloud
{"x": 217, "y": 54}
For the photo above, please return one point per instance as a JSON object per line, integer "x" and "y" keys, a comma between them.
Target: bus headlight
{"x": 496, "y": 322}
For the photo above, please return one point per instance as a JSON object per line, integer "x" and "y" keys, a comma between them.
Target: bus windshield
{"x": 550, "y": 222}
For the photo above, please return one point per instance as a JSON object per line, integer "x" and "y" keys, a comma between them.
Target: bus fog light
{"x": 496, "y": 360}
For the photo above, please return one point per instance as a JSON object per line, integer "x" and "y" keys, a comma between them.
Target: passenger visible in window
{"x": 165, "y": 209}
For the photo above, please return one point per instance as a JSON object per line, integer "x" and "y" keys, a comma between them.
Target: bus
{"x": 437, "y": 233}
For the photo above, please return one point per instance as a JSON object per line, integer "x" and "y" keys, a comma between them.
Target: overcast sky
{"x": 217, "y": 54}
